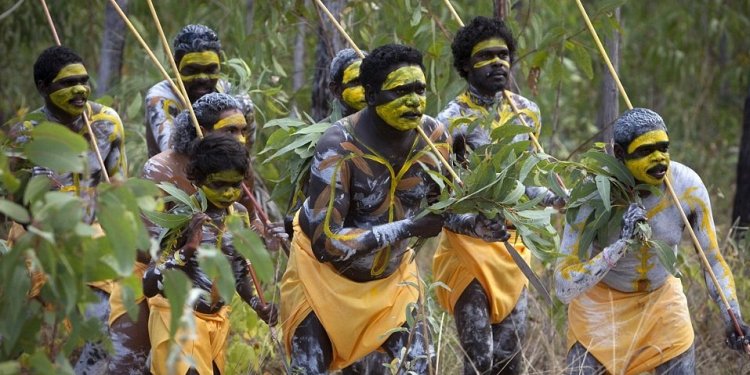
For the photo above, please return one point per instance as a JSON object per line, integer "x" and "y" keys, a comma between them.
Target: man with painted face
{"x": 351, "y": 276}
{"x": 197, "y": 55}
{"x": 345, "y": 84}
{"x": 627, "y": 314}
{"x": 217, "y": 166}
{"x": 487, "y": 294}
{"x": 216, "y": 113}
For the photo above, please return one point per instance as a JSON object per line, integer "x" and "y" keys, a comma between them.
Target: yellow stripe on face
{"x": 404, "y": 76}
{"x": 483, "y": 63}
{"x": 489, "y": 43}
{"x": 199, "y": 58}
{"x": 648, "y": 138}
{"x": 351, "y": 72}
{"x": 71, "y": 70}
{"x": 354, "y": 97}
{"x": 236, "y": 119}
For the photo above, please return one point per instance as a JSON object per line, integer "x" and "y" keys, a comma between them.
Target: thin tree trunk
{"x": 298, "y": 77}
{"x": 249, "y": 14}
{"x": 329, "y": 43}
{"x": 113, "y": 44}
{"x": 741, "y": 208}
{"x": 501, "y": 9}
{"x": 608, "y": 103}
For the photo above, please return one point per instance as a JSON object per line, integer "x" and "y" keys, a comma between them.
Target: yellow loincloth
{"x": 208, "y": 346}
{"x": 460, "y": 259}
{"x": 116, "y": 305}
{"x": 356, "y": 315}
{"x": 630, "y": 333}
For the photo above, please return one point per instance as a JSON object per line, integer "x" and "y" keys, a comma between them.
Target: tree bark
{"x": 501, "y": 9}
{"x": 741, "y": 208}
{"x": 609, "y": 107}
{"x": 329, "y": 43}
{"x": 249, "y": 14}
{"x": 113, "y": 44}
{"x": 298, "y": 77}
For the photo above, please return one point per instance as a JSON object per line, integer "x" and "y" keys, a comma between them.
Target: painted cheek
{"x": 354, "y": 97}
{"x": 391, "y": 112}
{"x": 483, "y": 63}
{"x": 61, "y": 98}
{"x": 639, "y": 168}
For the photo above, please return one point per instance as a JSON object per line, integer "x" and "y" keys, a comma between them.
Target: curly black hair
{"x": 214, "y": 153}
{"x": 635, "y": 122}
{"x": 51, "y": 60}
{"x": 376, "y": 66}
{"x": 479, "y": 29}
{"x": 208, "y": 111}
{"x": 195, "y": 38}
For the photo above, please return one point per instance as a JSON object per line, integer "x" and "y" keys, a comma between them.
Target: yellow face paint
{"x": 71, "y": 70}
{"x": 202, "y": 59}
{"x": 236, "y": 120}
{"x": 403, "y": 76}
{"x": 483, "y": 63}
{"x": 489, "y": 43}
{"x": 351, "y": 72}
{"x": 354, "y": 97}
{"x": 640, "y": 166}
{"x": 221, "y": 188}
{"x": 393, "y": 112}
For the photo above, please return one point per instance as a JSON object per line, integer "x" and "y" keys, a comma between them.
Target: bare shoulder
{"x": 436, "y": 130}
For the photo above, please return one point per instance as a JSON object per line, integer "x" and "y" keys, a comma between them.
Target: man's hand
{"x": 269, "y": 313}
{"x": 429, "y": 225}
{"x": 273, "y": 235}
{"x": 635, "y": 214}
{"x": 491, "y": 230}
{"x": 194, "y": 233}
{"x": 736, "y": 342}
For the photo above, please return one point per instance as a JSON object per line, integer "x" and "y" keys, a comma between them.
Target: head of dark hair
{"x": 381, "y": 61}
{"x": 195, "y": 38}
{"x": 214, "y": 153}
{"x": 635, "y": 122}
{"x": 479, "y": 29}
{"x": 51, "y": 60}
{"x": 207, "y": 110}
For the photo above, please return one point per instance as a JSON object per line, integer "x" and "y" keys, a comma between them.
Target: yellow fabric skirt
{"x": 460, "y": 259}
{"x": 356, "y": 315}
{"x": 630, "y": 333}
{"x": 207, "y": 346}
{"x": 116, "y": 305}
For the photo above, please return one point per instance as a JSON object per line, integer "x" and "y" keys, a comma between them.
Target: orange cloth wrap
{"x": 208, "y": 346}
{"x": 460, "y": 259}
{"x": 355, "y": 315}
{"x": 631, "y": 333}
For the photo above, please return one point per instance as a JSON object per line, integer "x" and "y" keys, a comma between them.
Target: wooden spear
{"x": 419, "y": 129}
{"x": 667, "y": 183}
{"x": 84, "y": 116}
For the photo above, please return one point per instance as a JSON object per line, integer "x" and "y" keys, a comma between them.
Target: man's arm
{"x": 574, "y": 275}
{"x": 116, "y": 161}
{"x": 160, "y": 119}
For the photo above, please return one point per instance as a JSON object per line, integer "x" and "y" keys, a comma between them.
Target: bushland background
{"x": 689, "y": 61}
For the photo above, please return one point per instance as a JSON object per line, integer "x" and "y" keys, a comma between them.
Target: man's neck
{"x": 62, "y": 118}
{"x": 480, "y": 98}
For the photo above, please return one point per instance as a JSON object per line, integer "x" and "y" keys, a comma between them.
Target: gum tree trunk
{"x": 741, "y": 209}
{"x": 329, "y": 43}
{"x": 113, "y": 44}
{"x": 609, "y": 107}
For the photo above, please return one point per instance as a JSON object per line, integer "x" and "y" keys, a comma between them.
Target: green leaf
{"x": 603, "y": 186}
{"x": 515, "y": 194}
{"x": 35, "y": 189}
{"x": 216, "y": 266}
{"x": 167, "y": 220}
{"x": 249, "y": 244}
{"x": 56, "y": 147}
{"x": 176, "y": 288}
{"x": 667, "y": 256}
{"x": 612, "y": 165}
{"x": 583, "y": 60}
{"x": 14, "y": 211}
{"x": 177, "y": 194}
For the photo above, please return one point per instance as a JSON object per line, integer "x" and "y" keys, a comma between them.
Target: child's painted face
{"x": 223, "y": 188}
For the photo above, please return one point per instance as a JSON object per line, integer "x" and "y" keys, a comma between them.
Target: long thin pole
{"x": 668, "y": 183}
{"x": 84, "y": 116}
{"x": 170, "y": 58}
{"x": 420, "y": 131}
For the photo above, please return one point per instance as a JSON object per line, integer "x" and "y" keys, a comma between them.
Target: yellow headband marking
{"x": 199, "y": 58}
{"x": 654, "y": 136}
{"x": 71, "y": 70}
{"x": 235, "y": 119}
{"x": 404, "y": 76}
{"x": 489, "y": 43}
{"x": 351, "y": 72}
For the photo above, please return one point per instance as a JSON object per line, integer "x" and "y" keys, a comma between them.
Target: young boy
{"x": 217, "y": 166}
